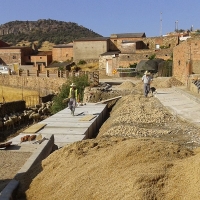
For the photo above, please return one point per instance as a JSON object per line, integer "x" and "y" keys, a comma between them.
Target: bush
{"x": 81, "y": 82}
{"x": 152, "y": 57}
{"x": 82, "y": 62}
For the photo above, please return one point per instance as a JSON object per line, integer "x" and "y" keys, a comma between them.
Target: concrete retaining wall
{"x": 25, "y": 175}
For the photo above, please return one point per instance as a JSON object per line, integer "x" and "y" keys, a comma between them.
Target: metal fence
{"x": 126, "y": 72}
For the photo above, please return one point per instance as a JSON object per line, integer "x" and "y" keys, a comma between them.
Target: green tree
{"x": 80, "y": 82}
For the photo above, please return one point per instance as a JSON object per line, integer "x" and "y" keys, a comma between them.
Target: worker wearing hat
{"x": 147, "y": 79}
{"x": 72, "y": 98}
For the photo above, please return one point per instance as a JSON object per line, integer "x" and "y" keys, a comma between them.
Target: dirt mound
{"x": 112, "y": 168}
{"x": 126, "y": 85}
{"x": 161, "y": 82}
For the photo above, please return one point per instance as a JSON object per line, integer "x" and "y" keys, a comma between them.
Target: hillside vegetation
{"x": 53, "y": 31}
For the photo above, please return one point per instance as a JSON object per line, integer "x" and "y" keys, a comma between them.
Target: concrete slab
{"x": 61, "y": 129}
{"x": 180, "y": 104}
{"x": 64, "y": 130}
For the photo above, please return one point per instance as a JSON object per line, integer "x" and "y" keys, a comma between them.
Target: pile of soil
{"x": 126, "y": 85}
{"x": 141, "y": 152}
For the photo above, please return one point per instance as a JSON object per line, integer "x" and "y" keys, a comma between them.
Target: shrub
{"x": 81, "y": 82}
{"x": 82, "y": 62}
{"x": 152, "y": 57}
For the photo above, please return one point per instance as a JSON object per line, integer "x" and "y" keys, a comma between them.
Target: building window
{"x": 40, "y": 57}
{"x": 146, "y": 56}
{"x": 147, "y": 44}
{"x": 127, "y": 56}
{"x": 14, "y": 57}
{"x": 179, "y": 62}
{"x": 169, "y": 45}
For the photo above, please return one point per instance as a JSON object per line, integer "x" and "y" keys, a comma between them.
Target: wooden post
{"x": 9, "y": 72}
{"x": 67, "y": 74}
{"x": 58, "y": 73}
{"x": 61, "y": 73}
{"x": 19, "y": 72}
{"x": 96, "y": 78}
{"x": 47, "y": 73}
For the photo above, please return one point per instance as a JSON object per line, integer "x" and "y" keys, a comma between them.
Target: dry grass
{"x": 14, "y": 94}
{"x": 46, "y": 46}
{"x": 89, "y": 66}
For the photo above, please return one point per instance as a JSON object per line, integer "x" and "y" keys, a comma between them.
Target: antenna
{"x": 161, "y": 24}
{"x": 176, "y": 26}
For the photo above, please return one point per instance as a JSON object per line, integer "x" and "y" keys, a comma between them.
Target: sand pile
{"x": 161, "y": 82}
{"x": 116, "y": 168}
{"x": 126, "y": 85}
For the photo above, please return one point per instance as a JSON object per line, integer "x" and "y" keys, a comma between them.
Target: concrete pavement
{"x": 181, "y": 103}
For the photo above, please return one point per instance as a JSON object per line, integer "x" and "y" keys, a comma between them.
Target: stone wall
{"x": 167, "y": 42}
{"x": 149, "y": 42}
{"x": 126, "y": 59}
{"x": 44, "y": 85}
{"x": 41, "y": 84}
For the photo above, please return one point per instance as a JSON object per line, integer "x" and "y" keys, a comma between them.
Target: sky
{"x": 106, "y": 17}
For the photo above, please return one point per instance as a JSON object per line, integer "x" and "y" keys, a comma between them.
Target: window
{"x": 179, "y": 62}
{"x": 14, "y": 57}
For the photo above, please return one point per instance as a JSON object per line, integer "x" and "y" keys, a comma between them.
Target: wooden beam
{"x": 104, "y": 101}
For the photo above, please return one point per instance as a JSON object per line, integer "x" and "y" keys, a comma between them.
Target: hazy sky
{"x": 105, "y": 17}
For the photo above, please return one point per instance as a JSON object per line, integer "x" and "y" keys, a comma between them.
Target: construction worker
{"x": 147, "y": 79}
{"x": 72, "y": 98}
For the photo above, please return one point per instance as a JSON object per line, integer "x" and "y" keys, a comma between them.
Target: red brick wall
{"x": 186, "y": 59}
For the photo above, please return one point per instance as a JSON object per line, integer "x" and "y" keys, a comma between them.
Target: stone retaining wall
{"x": 44, "y": 85}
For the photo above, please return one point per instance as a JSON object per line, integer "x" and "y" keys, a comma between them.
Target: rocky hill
{"x": 53, "y": 31}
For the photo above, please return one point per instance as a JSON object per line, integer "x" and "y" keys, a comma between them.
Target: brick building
{"x": 62, "y": 52}
{"x": 132, "y": 48}
{"x": 186, "y": 59}
{"x": 41, "y": 60}
{"x": 15, "y": 55}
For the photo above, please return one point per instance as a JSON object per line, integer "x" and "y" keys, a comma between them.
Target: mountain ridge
{"x": 53, "y": 31}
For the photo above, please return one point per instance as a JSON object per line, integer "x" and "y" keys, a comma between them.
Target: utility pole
{"x": 161, "y": 24}
{"x": 176, "y": 26}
